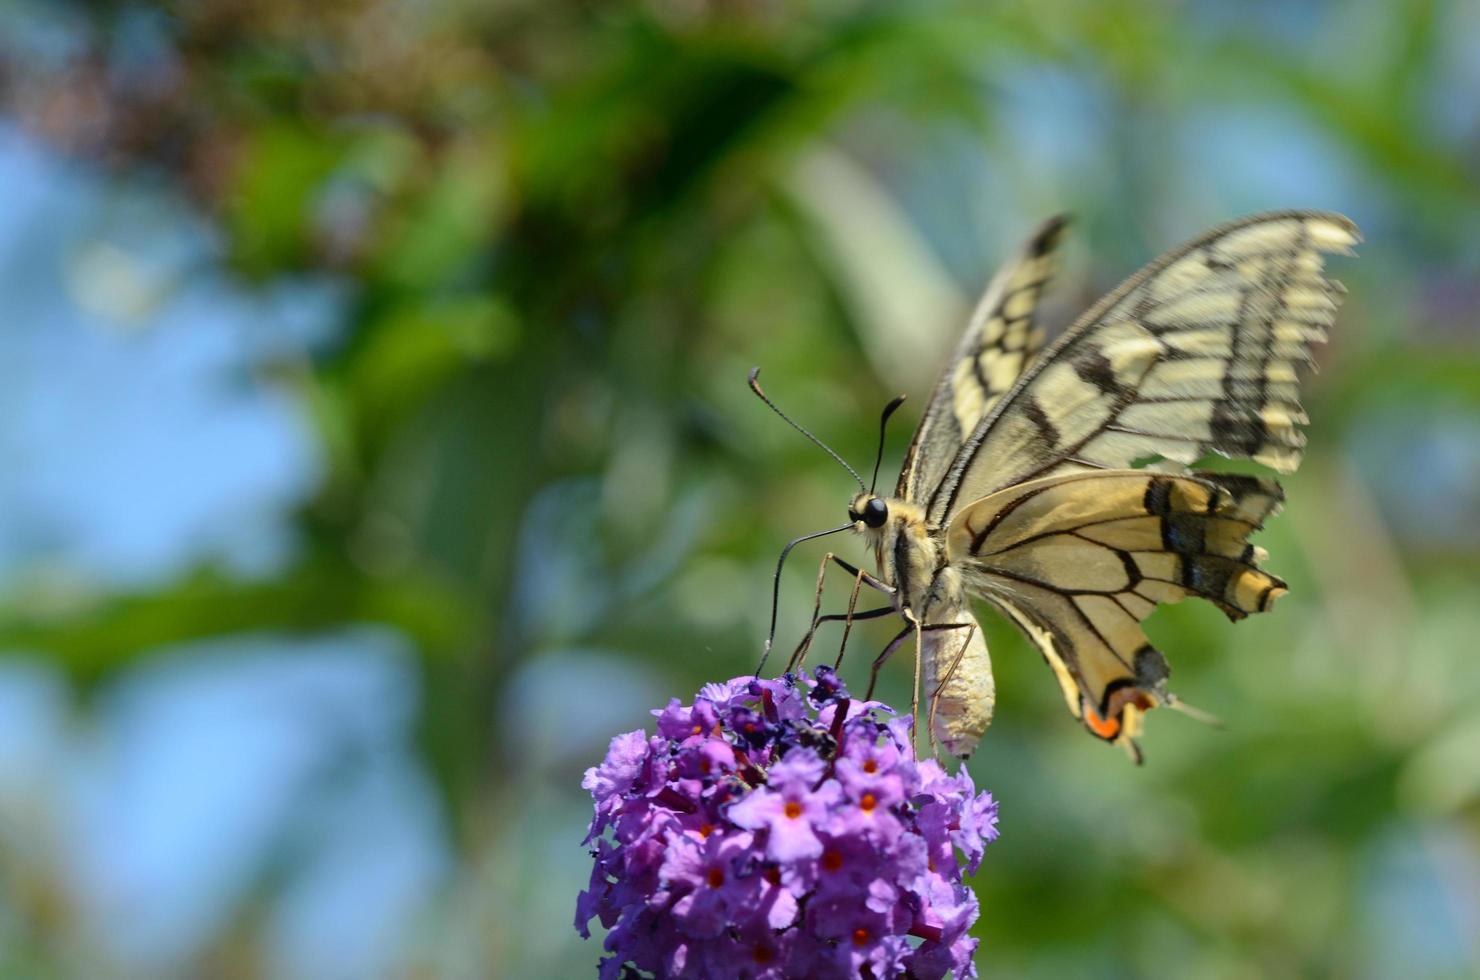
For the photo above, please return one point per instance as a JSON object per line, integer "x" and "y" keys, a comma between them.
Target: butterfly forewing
{"x": 1000, "y": 341}
{"x": 1198, "y": 353}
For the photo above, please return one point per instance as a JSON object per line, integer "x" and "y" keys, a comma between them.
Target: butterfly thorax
{"x": 911, "y": 556}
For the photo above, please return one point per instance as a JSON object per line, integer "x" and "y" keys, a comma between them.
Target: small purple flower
{"x": 621, "y": 767}
{"x": 793, "y": 806}
{"x": 707, "y": 872}
{"x": 776, "y": 829}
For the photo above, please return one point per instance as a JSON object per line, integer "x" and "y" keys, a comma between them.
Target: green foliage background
{"x": 569, "y": 229}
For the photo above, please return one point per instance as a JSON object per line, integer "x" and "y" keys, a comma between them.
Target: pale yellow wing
{"x": 999, "y": 342}
{"x": 1197, "y": 353}
{"x": 1080, "y": 559}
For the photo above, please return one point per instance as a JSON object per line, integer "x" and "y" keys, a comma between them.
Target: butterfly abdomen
{"x": 956, "y": 670}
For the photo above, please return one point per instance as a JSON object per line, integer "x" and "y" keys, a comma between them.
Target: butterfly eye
{"x": 875, "y": 512}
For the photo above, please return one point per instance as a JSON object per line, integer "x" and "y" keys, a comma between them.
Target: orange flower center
{"x": 762, "y": 954}
{"x": 868, "y": 802}
{"x": 860, "y": 936}
{"x": 793, "y": 809}
{"x": 831, "y": 860}
{"x": 705, "y": 829}
{"x": 870, "y": 766}
{"x": 716, "y": 877}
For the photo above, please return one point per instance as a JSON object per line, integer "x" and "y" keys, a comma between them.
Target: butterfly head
{"x": 869, "y": 510}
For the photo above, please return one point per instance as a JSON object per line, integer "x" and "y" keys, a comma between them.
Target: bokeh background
{"x": 374, "y": 444}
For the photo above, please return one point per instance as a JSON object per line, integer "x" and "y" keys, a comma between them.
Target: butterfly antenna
{"x": 1197, "y": 714}
{"x": 883, "y": 425}
{"x": 755, "y": 387}
{"x": 776, "y": 580}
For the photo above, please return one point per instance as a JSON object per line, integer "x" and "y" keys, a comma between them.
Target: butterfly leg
{"x": 800, "y": 653}
{"x": 912, "y": 625}
{"x": 848, "y": 623}
{"x": 915, "y": 628}
{"x": 860, "y": 577}
{"x": 915, "y": 687}
{"x": 864, "y": 577}
{"x": 847, "y": 618}
{"x": 888, "y": 651}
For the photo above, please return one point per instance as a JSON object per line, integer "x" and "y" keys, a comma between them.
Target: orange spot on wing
{"x": 1106, "y": 728}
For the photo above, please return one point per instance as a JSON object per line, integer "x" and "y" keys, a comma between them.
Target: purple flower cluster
{"x": 780, "y": 829}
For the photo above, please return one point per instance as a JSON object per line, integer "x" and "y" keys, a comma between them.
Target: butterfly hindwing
{"x": 1197, "y": 353}
{"x": 1078, "y": 560}
{"x": 999, "y": 343}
